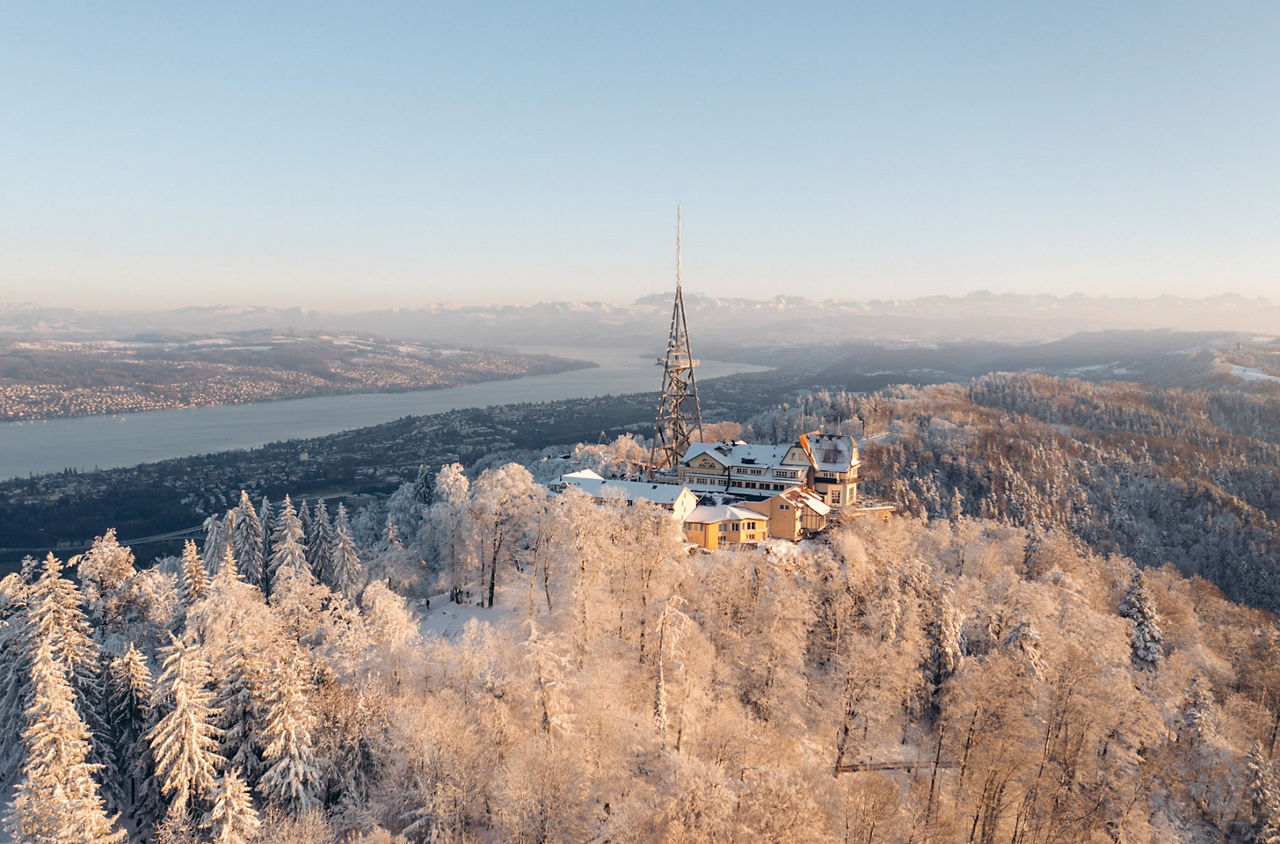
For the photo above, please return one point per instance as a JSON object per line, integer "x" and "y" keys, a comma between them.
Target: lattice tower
{"x": 679, "y": 414}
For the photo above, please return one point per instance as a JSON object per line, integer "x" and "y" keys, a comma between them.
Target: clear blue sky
{"x": 351, "y": 155}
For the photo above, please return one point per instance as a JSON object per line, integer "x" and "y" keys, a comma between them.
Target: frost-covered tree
{"x": 130, "y": 689}
{"x": 346, "y": 574}
{"x": 193, "y": 579}
{"x": 102, "y": 572}
{"x": 247, "y": 540}
{"x": 304, "y": 519}
{"x": 185, "y": 740}
{"x": 231, "y": 818}
{"x": 1146, "y": 639}
{"x": 502, "y": 502}
{"x": 267, "y": 516}
{"x": 424, "y": 487}
{"x": 405, "y": 510}
{"x": 216, "y": 537}
{"x": 320, "y": 542}
{"x": 57, "y": 799}
{"x": 55, "y": 616}
{"x": 287, "y": 544}
{"x": 14, "y": 666}
{"x": 447, "y": 529}
{"x": 292, "y": 778}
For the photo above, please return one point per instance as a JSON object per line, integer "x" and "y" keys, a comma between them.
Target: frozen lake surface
{"x": 89, "y": 442}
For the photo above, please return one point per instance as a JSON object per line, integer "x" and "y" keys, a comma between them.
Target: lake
{"x": 89, "y": 442}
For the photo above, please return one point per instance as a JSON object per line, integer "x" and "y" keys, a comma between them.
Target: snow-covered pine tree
{"x": 403, "y": 508}
{"x": 238, "y": 703}
{"x": 424, "y": 487}
{"x": 292, "y": 779}
{"x": 14, "y": 670}
{"x": 229, "y": 571}
{"x": 267, "y": 516}
{"x": 247, "y": 540}
{"x": 287, "y": 545}
{"x": 193, "y": 580}
{"x": 1198, "y": 712}
{"x": 55, "y": 615}
{"x": 215, "y": 538}
{"x": 1146, "y": 639}
{"x": 185, "y": 740}
{"x": 320, "y": 542}
{"x": 304, "y": 519}
{"x": 346, "y": 574}
{"x": 130, "y": 689}
{"x": 57, "y": 799}
{"x": 231, "y": 818}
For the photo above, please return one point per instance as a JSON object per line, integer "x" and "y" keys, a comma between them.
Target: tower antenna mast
{"x": 679, "y": 413}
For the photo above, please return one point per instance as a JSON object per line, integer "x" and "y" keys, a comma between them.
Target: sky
{"x": 346, "y": 156}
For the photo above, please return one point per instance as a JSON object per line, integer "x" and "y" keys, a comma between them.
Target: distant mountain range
{"x": 715, "y": 322}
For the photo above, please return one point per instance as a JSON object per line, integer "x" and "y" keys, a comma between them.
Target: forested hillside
{"x": 1188, "y": 477}
{"x": 904, "y": 680}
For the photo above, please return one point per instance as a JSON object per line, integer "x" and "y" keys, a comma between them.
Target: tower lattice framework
{"x": 679, "y": 414}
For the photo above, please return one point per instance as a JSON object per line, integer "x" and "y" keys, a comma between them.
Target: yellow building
{"x": 793, "y": 514}
{"x": 725, "y": 524}
{"x": 835, "y": 464}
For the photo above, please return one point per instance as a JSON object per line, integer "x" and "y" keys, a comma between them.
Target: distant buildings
{"x": 743, "y": 493}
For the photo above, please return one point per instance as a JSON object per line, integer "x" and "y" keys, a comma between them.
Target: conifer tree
{"x": 267, "y": 516}
{"x": 347, "y": 574}
{"x": 58, "y": 798}
{"x": 215, "y": 538}
{"x": 130, "y": 690}
{"x": 194, "y": 580}
{"x": 55, "y": 616}
{"x": 14, "y": 670}
{"x": 1146, "y": 639}
{"x": 304, "y": 519}
{"x": 287, "y": 544}
{"x": 231, "y": 818}
{"x": 239, "y": 707}
{"x": 247, "y": 540}
{"x": 292, "y": 779}
{"x": 185, "y": 740}
{"x": 320, "y": 542}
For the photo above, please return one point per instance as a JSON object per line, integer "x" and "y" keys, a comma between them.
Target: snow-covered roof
{"x": 803, "y": 498}
{"x": 830, "y": 452}
{"x": 709, "y": 514}
{"x": 586, "y": 474}
{"x": 739, "y": 453}
{"x": 597, "y": 487}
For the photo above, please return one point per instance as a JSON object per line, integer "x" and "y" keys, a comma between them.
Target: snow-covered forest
{"x": 960, "y": 680}
{"x": 1188, "y": 477}
{"x": 474, "y": 659}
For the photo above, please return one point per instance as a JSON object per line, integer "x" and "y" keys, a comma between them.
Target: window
{"x": 751, "y": 525}
{"x": 784, "y": 506}
{"x": 723, "y": 527}
{"x": 737, "y": 527}
{"x": 835, "y": 496}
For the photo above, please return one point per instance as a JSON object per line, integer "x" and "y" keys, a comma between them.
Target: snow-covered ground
{"x": 1250, "y": 373}
{"x": 447, "y": 619}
